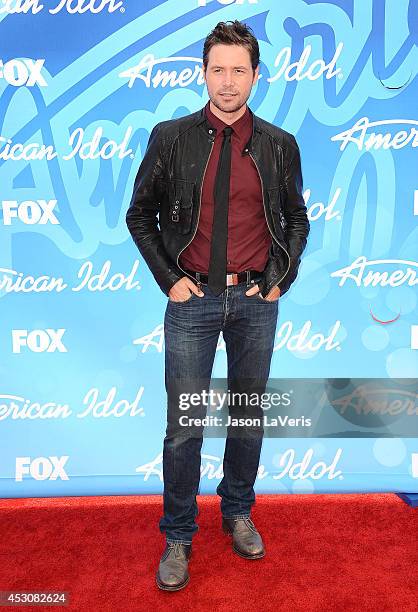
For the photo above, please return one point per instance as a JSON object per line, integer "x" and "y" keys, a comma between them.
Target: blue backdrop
{"x": 82, "y": 83}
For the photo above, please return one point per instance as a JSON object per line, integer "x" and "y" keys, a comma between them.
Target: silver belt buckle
{"x": 232, "y": 279}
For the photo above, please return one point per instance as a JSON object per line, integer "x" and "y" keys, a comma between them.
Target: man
{"x": 227, "y": 188}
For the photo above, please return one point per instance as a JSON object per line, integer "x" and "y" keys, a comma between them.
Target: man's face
{"x": 229, "y": 77}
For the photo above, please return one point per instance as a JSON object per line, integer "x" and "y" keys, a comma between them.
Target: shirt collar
{"x": 240, "y": 126}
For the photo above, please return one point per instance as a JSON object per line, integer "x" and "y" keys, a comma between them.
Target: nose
{"x": 228, "y": 79}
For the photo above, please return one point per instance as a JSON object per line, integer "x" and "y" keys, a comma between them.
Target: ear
{"x": 256, "y": 73}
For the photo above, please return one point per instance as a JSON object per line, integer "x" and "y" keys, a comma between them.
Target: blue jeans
{"x": 191, "y": 331}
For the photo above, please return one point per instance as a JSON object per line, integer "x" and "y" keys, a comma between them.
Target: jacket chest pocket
{"x": 180, "y": 205}
{"x": 279, "y": 221}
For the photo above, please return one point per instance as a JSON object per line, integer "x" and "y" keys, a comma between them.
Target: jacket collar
{"x": 204, "y": 123}
{"x": 239, "y": 126}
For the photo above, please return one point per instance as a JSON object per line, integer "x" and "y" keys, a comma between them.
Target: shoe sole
{"x": 241, "y": 554}
{"x": 177, "y": 587}
{"x": 245, "y": 556}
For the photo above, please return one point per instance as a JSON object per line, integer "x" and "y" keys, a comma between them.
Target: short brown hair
{"x": 235, "y": 34}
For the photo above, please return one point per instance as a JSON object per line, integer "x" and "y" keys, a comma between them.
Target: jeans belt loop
{"x": 198, "y": 279}
{"x": 248, "y": 278}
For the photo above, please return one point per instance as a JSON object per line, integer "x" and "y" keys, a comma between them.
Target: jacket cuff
{"x": 284, "y": 284}
{"x": 169, "y": 280}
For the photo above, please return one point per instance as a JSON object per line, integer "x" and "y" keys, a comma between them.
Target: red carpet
{"x": 323, "y": 553}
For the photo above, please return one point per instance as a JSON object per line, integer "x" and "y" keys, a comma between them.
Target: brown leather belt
{"x": 232, "y": 278}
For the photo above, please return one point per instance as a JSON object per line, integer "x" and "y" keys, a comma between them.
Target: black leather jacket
{"x": 164, "y": 210}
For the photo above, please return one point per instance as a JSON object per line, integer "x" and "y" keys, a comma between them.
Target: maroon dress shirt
{"x": 249, "y": 239}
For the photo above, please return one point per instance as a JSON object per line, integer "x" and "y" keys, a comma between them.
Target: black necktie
{"x": 217, "y": 264}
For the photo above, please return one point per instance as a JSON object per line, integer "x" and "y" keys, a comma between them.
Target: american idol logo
{"x": 71, "y": 6}
{"x": 374, "y": 272}
{"x": 13, "y": 281}
{"x": 363, "y": 135}
{"x": 96, "y": 406}
{"x": 80, "y": 147}
{"x": 375, "y": 402}
{"x": 211, "y": 467}
{"x": 301, "y": 340}
{"x": 148, "y": 71}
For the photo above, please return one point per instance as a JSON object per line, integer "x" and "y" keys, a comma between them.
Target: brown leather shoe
{"x": 172, "y": 573}
{"x": 247, "y": 541}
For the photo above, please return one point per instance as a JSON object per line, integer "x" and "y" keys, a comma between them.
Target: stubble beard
{"x": 228, "y": 107}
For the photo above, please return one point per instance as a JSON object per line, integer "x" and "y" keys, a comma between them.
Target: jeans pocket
{"x": 189, "y": 299}
{"x": 258, "y": 297}
{"x": 261, "y": 299}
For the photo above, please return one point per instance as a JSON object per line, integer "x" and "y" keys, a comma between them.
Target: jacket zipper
{"x": 198, "y": 215}
{"x": 275, "y": 282}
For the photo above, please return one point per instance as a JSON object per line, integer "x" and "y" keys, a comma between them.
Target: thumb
{"x": 194, "y": 288}
{"x": 254, "y": 289}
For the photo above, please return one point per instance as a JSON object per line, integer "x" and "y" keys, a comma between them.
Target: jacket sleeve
{"x": 295, "y": 213}
{"x": 141, "y": 217}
